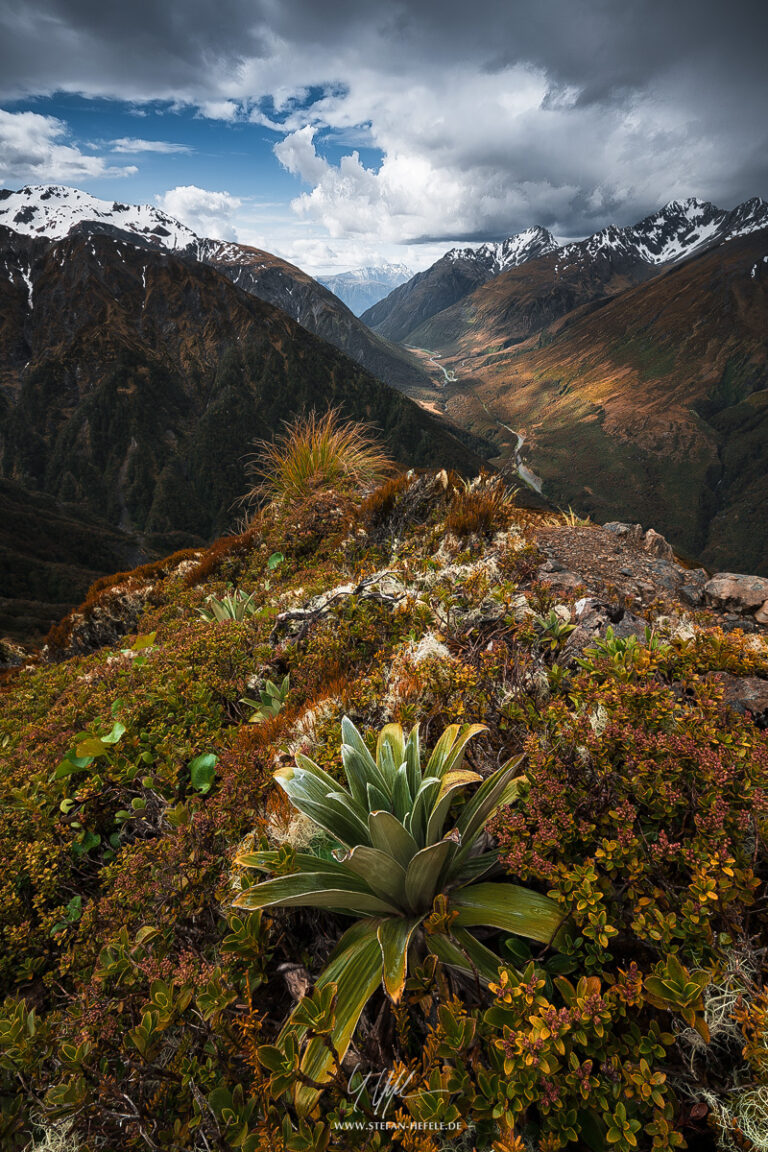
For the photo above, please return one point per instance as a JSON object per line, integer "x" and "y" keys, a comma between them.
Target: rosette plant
{"x": 395, "y": 858}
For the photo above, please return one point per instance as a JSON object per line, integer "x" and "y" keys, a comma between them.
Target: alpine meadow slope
{"x": 140, "y": 789}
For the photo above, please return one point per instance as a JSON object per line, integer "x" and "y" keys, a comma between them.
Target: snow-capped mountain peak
{"x": 53, "y": 210}
{"x": 678, "y": 230}
{"x": 515, "y": 250}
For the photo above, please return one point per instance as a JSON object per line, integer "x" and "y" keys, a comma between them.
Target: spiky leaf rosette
{"x": 391, "y": 818}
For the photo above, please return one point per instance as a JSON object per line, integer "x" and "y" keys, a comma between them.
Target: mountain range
{"x": 363, "y": 287}
{"x": 633, "y": 365}
{"x": 623, "y": 374}
{"x": 674, "y": 233}
{"x": 134, "y": 378}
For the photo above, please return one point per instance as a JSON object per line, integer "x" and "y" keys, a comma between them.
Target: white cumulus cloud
{"x": 207, "y": 213}
{"x": 481, "y": 154}
{"x": 219, "y": 109}
{"x": 34, "y": 149}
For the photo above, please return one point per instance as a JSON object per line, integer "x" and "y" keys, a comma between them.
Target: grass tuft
{"x": 315, "y": 453}
{"x": 480, "y": 508}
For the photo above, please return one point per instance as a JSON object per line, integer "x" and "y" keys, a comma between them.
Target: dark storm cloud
{"x": 566, "y": 111}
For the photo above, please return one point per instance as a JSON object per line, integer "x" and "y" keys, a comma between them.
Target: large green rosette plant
{"x": 396, "y": 859}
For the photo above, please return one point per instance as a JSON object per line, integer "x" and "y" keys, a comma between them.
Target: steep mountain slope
{"x": 542, "y": 281}
{"x": 134, "y": 382}
{"x": 451, "y": 278}
{"x": 314, "y": 307}
{"x": 651, "y": 405}
{"x": 363, "y": 287}
{"x": 50, "y": 553}
{"x": 53, "y": 211}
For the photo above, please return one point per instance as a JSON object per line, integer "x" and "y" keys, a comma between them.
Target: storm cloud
{"x": 489, "y": 116}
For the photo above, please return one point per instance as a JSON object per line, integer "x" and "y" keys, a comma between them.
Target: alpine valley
{"x": 632, "y": 365}
{"x": 623, "y": 375}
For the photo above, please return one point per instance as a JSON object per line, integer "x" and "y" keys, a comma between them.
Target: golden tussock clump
{"x": 316, "y": 452}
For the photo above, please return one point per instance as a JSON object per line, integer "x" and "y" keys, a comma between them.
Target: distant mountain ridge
{"x": 680, "y": 229}
{"x": 55, "y": 211}
{"x": 509, "y": 253}
{"x": 360, "y": 288}
{"x": 450, "y": 279}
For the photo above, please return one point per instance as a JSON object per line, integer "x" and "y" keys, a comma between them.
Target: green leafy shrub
{"x": 271, "y": 699}
{"x": 234, "y": 605}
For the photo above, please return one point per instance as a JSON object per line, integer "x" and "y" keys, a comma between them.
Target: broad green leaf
{"x": 456, "y": 754}
{"x": 392, "y": 734}
{"x": 304, "y": 764}
{"x": 71, "y": 764}
{"x": 473, "y": 868}
{"x": 306, "y": 862}
{"x": 356, "y": 969}
{"x": 275, "y": 560}
{"x": 442, "y": 750}
{"x": 356, "y": 772}
{"x": 424, "y": 872}
{"x": 142, "y": 642}
{"x": 413, "y": 760}
{"x": 377, "y": 799}
{"x": 422, "y": 808}
{"x": 394, "y": 938}
{"x": 388, "y": 766}
{"x": 461, "y": 950}
{"x": 297, "y": 883}
{"x": 381, "y": 872}
{"x": 117, "y": 732}
{"x": 202, "y": 771}
{"x": 402, "y": 801}
{"x": 450, "y": 782}
{"x": 481, "y": 806}
{"x": 509, "y": 907}
{"x": 93, "y": 746}
{"x": 313, "y": 890}
{"x": 351, "y": 737}
{"x": 338, "y": 820}
{"x": 389, "y": 835}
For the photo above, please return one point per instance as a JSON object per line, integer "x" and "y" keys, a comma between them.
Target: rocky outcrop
{"x": 733, "y": 591}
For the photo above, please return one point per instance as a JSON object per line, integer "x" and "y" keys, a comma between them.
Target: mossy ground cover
{"x": 138, "y": 999}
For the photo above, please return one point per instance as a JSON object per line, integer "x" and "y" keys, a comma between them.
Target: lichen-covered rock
{"x": 736, "y": 591}
{"x": 626, "y": 531}
{"x": 12, "y": 655}
{"x": 692, "y": 588}
{"x": 593, "y": 618}
{"x": 114, "y": 616}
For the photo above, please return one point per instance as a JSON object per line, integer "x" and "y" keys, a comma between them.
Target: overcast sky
{"x": 341, "y": 132}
